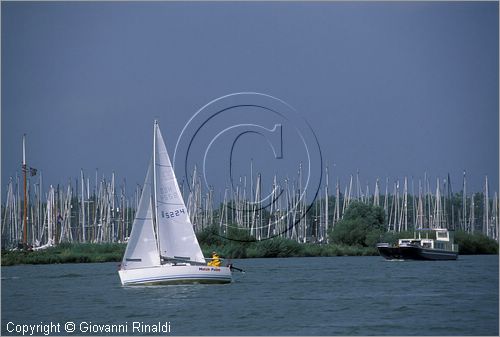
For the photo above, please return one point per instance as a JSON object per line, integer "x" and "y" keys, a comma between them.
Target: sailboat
{"x": 162, "y": 247}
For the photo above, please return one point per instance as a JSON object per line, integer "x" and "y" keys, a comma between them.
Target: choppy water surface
{"x": 305, "y": 296}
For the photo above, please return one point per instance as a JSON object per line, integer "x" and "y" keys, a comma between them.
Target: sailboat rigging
{"x": 163, "y": 248}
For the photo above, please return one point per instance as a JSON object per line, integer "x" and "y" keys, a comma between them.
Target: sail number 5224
{"x": 172, "y": 214}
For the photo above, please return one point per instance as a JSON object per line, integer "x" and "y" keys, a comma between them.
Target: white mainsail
{"x": 142, "y": 250}
{"x": 175, "y": 232}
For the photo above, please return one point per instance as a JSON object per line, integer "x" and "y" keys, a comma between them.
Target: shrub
{"x": 209, "y": 236}
{"x": 362, "y": 225}
{"x": 278, "y": 247}
{"x": 476, "y": 243}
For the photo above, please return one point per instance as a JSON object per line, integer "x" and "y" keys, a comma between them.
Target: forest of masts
{"x": 95, "y": 210}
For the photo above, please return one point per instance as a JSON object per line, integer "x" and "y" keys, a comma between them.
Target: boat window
{"x": 442, "y": 235}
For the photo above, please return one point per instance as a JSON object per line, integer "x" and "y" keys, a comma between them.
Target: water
{"x": 295, "y": 296}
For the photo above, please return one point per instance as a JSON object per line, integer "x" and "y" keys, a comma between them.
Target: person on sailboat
{"x": 215, "y": 260}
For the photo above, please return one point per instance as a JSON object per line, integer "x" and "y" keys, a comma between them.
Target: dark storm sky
{"x": 390, "y": 89}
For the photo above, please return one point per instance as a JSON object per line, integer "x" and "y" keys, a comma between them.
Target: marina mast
{"x": 25, "y": 211}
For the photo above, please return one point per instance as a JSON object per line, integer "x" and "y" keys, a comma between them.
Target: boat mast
{"x": 155, "y": 205}
{"x": 486, "y": 214}
{"x": 25, "y": 211}
{"x": 337, "y": 203}
{"x": 386, "y": 202}
{"x": 376, "y": 195}
{"x": 472, "y": 220}
{"x": 325, "y": 233}
{"x": 83, "y": 205}
{"x": 405, "y": 204}
{"x": 420, "y": 211}
{"x": 464, "y": 205}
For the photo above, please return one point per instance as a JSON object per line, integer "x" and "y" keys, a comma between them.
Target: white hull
{"x": 45, "y": 246}
{"x": 175, "y": 274}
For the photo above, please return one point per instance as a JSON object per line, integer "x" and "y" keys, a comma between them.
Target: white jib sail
{"x": 142, "y": 250}
{"x": 175, "y": 231}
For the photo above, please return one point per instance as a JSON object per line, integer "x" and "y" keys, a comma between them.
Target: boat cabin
{"x": 444, "y": 241}
{"x": 425, "y": 243}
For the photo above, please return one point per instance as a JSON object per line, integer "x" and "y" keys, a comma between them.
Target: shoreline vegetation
{"x": 357, "y": 234}
{"x": 469, "y": 244}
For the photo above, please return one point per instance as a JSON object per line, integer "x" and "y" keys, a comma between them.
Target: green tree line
{"x": 355, "y": 235}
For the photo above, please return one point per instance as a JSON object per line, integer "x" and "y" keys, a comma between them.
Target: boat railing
{"x": 180, "y": 260}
